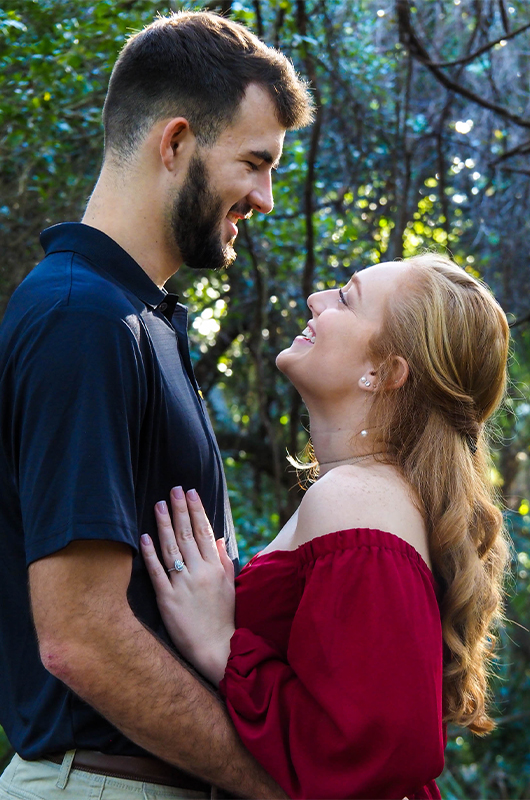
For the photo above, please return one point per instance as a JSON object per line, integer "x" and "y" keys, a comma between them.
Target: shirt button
{"x": 162, "y": 307}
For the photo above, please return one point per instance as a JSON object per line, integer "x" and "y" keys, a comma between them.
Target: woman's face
{"x": 330, "y": 356}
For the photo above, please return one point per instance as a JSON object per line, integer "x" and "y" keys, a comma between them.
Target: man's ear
{"x": 398, "y": 373}
{"x": 175, "y": 138}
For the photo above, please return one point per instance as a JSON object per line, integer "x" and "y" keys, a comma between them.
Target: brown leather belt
{"x": 132, "y": 768}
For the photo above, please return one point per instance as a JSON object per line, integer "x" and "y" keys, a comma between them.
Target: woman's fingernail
{"x": 192, "y": 494}
{"x": 145, "y": 538}
{"x": 161, "y": 506}
{"x": 177, "y": 492}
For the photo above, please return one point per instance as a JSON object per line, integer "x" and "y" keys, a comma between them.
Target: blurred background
{"x": 421, "y": 142}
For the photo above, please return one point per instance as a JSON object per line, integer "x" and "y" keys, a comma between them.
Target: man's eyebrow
{"x": 265, "y": 155}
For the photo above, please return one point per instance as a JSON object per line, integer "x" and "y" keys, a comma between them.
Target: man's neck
{"x": 133, "y": 220}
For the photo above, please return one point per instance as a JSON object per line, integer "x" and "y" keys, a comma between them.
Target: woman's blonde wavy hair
{"x": 454, "y": 337}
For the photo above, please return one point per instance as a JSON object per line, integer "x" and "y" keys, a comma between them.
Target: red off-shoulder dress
{"x": 334, "y": 680}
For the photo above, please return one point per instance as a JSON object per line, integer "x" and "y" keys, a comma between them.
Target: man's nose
{"x": 260, "y": 198}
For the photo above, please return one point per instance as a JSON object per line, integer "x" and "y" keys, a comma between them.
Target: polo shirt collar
{"x": 105, "y": 254}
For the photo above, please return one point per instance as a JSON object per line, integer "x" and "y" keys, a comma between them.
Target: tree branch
{"x": 309, "y": 267}
{"x": 521, "y": 149}
{"x": 409, "y": 39}
{"x": 259, "y": 19}
{"x": 515, "y": 171}
{"x": 468, "y": 59}
{"x": 223, "y": 7}
{"x": 255, "y": 345}
{"x": 512, "y": 718}
{"x": 505, "y": 17}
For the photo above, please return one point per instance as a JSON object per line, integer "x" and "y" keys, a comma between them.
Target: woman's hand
{"x": 197, "y": 599}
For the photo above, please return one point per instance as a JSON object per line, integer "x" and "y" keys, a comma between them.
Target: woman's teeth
{"x": 308, "y": 333}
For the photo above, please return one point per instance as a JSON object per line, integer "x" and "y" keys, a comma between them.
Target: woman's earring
{"x": 365, "y": 381}
{"x": 364, "y": 433}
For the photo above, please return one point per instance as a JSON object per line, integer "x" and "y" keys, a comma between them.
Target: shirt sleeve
{"x": 354, "y": 709}
{"x": 79, "y": 399}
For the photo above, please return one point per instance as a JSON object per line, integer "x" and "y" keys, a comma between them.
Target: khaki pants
{"x": 43, "y": 780}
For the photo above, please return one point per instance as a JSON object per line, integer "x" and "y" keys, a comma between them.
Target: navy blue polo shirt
{"x": 100, "y": 416}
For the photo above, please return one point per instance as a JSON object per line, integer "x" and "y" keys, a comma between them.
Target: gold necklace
{"x": 352, "y": 460}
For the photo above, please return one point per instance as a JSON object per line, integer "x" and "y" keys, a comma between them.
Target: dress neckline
{"x": 345, "y": 538}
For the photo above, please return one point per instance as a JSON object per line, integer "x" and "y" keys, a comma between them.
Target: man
{"x": 101, "y": 416}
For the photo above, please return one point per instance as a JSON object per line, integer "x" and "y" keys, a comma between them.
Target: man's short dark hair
{"x": 197, "y": 65}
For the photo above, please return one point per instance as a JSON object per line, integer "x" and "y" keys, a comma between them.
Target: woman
{"x": 366, "y": 625}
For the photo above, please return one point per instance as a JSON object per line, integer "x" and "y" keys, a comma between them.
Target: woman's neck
{"x": 342, "y": 439}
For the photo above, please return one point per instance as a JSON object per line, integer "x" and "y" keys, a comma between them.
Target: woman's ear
{"x": 395, "y": 373}
{"x": 398, "y": 373}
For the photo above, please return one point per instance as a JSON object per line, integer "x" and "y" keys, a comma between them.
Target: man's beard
{"x": 196, "y": 222}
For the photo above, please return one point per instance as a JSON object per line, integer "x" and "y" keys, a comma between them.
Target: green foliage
{"x": 253, "y": 506}
{"x": 5, "y": 751}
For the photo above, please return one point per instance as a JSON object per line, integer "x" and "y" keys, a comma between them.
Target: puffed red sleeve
{"x": 353, "y": 710}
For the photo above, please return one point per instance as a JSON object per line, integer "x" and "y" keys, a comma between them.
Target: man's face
{"x": 227, "y": 182}
{"x": 197, "y": 221}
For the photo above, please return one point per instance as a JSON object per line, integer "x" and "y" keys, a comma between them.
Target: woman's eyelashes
{"x": 342, "y": 297}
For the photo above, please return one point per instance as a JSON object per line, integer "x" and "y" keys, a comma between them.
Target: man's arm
{"x": 90, "y": 640}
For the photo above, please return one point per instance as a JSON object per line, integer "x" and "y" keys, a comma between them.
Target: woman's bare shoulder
{"x": 356, "y": 496}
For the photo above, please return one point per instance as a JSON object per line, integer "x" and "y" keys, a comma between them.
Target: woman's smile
{"x": 308, "y": 335}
